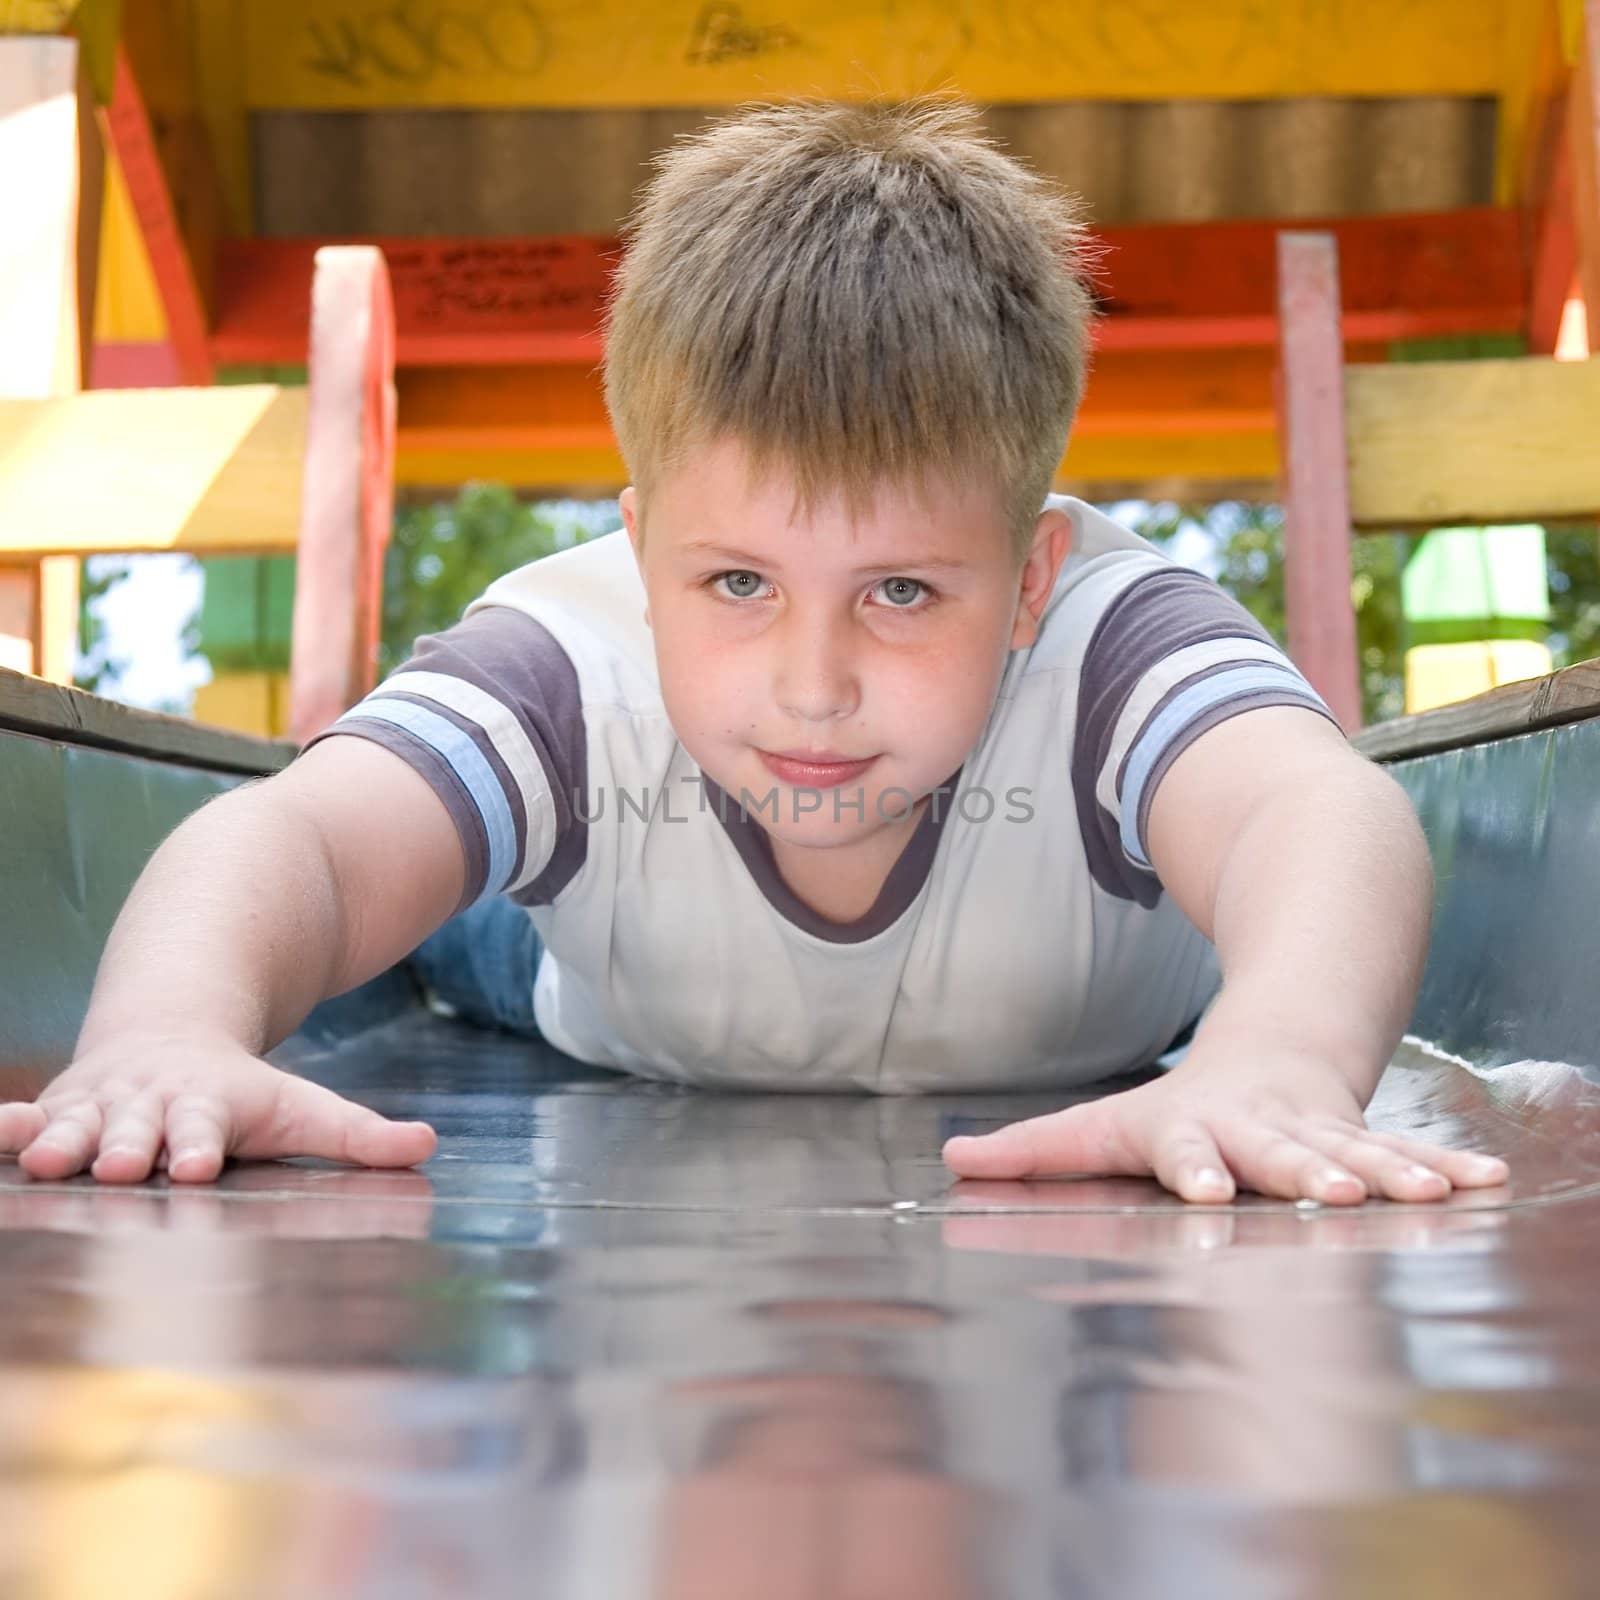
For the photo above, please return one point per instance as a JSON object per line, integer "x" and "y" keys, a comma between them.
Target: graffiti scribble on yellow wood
{"x": 375, "y": 53}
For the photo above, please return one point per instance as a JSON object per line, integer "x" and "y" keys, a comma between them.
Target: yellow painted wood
{"x": 202, "y": 470}
{"x": 1533, "y": 75}
{"x": 36, "y": 16}
{"x": 213, "y": 32}
{"x": 246, "y": 702}
{"x": 127, "y": 303}
{"x": 1472, "y": 441}
{"x": 376, "y": 53}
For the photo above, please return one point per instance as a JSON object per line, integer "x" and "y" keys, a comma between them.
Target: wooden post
{"x": 51, "y": 173}
{"x": 1316, "y": 496}
{"x": 1583, "y": 136}
{"x": 348, "y": 489}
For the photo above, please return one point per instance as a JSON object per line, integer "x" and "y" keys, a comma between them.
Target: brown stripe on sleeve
{"x": 508, "y": 656}
{"x": 1155, "y": 616}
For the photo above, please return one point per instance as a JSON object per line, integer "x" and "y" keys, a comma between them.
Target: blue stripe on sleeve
{"x": 467, "y": 762}
{"x": 1179, "y": 712}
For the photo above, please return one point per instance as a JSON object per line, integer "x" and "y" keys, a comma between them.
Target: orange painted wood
{"x": 347, "y": 499}
{"x": 1316, "y": 501}
{"x": 133, "y": 136}
{"x": 555, "y": 407}
{"x": 1583, "y": 133}
{"x": 1553, "y": 263}
{"x": 1205, "y": 286}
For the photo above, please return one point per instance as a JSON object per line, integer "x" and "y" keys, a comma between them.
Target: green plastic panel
{"x": 1470, "y": 577}
{"x": 247, "y": 614}
{"x": 76, "y": 828}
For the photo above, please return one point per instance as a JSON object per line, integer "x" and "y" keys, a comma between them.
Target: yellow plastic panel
{"x": 247, "y": 702}
{"x": 1441, "y": 674}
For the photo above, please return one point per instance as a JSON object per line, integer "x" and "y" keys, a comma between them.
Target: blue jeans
{"x": 482, "y": 963}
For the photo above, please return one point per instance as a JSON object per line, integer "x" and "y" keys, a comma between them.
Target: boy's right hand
{"x": 199, "y": 1099}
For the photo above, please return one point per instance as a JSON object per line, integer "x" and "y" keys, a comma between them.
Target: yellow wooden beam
{"x": 36, "y": 16}
{"x": 127, "y": 305}
{"x": 1535, "y": 73}
{"x": 347, "y": 54}
{"x": 1472, "y": 441}
{"x": 208, "y": 471}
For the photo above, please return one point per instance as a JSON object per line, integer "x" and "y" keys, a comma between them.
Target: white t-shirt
{"x": 1021, "y": 939}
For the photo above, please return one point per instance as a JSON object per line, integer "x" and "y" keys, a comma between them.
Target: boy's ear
{"x": 628, "y": 504}
{"x": 1052, "y": 539}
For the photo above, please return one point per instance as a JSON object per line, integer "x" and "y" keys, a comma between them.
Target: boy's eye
{"x": 902, "y": 591}
{"x": 736, "y": 578}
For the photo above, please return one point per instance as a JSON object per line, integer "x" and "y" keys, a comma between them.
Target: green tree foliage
{"x": 1247, "y": 560}
{"x": 443, "y": 556}
{"x": 96, "y": 666}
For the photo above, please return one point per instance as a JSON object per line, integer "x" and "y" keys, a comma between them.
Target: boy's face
{"x": 881, "y": 642}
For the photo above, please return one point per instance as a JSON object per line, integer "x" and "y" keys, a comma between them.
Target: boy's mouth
{"x": 818, "y": 770}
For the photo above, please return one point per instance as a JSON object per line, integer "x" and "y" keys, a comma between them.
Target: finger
{"x": 1081, "y": 1139}
{"x": 21, "y": 1122}
{"x": 1272, "y": 1163}
{"x": 197, "y": 1138}
{"x": 1392, "y": 1173}
{"x": 314, "y": 1121}
{"x": 1467, "y": 1169}
{"x": 129, "y": 1139}
{"x": 1187, "y": 1161}
{"x": 67, "y": 1142}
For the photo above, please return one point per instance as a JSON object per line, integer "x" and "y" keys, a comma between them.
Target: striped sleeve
{"x": 1171, "y": 657}
{"x": 489, "y": 713}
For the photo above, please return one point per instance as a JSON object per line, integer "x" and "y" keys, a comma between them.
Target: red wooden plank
{"x": 133, "y": 137}
{"x": 458, "y": 302}
{"x": 348, "y": 488}
{"x": 462, "y": 302}
{"x": 1316, "y": 499}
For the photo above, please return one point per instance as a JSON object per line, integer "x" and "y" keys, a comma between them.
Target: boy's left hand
{"x": 1280, "y": 1124}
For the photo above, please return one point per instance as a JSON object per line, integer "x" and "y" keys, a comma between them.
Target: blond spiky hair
{"x": 860, "y": 294}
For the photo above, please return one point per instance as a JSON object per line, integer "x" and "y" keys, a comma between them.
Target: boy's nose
{"x": 816, "y": 672}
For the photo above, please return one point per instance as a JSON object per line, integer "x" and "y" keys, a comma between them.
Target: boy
{"x": 844, "y": 765}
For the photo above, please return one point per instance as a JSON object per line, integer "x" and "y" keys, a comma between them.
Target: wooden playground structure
{"x": 268, "y": 265}
{"x": 187, "y": 160}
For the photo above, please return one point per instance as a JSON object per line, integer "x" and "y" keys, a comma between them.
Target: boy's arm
{"x": 1305, "y": 864}
{"x": 272, "y": 898}
{"x": 264, "y": 902}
